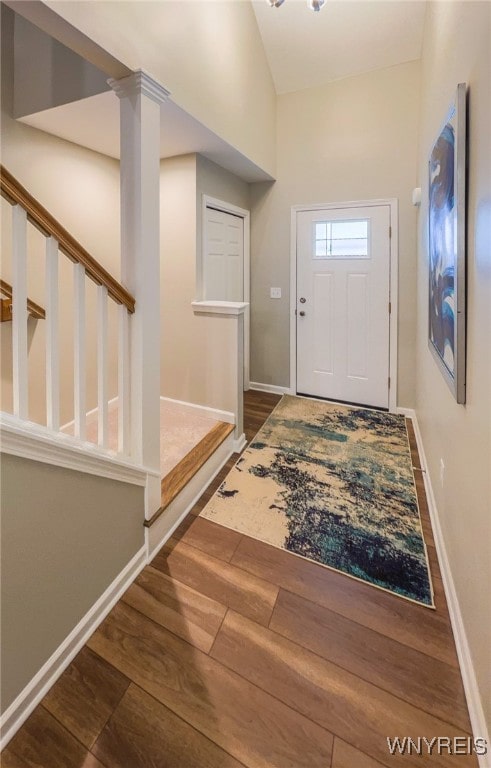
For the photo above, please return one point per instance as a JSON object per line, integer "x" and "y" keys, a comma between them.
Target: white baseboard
{"x": 36, "y": 689}
{"x": 275, "y": 390}
{"x": 240, "y": 444}
{"x": 92, "y": 411}
{"x": 409, "y": 412}
{"x": 469, "y": 679}
{"x": 174, "y": 514}
{"x": 204, "y": 410}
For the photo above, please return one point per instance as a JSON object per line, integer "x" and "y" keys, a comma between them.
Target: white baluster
{"x": 19, "y": 311}
{"x": 102, "y": 366}
{"x": 79, "y": 369}
{"x": 52, "y": 337}
{"x": 124, "y": 382}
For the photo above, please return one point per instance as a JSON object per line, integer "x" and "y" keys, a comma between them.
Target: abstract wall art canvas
{"x": 447, "y": 245}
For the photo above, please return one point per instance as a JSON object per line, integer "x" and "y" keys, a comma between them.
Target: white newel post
{"x": 140, "y": 99}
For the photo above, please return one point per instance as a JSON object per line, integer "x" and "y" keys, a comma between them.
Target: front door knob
{"x": 302, "y": 314}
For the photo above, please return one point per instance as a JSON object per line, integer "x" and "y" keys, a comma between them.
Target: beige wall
{"x": 81, "y": 189}
{"x": 355, "y": 139}
{"x": 198, "y": 352}
{"x": 225, "y": 84}
{"x": 59, "y": 554}
{"x": 457, "y": 49}
{"x": 191, "y": 345}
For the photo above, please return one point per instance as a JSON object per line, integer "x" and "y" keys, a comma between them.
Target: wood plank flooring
{"x": 227, "y": 652}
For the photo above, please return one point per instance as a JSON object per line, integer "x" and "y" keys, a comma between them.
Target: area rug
{"x": 333, "y": 484}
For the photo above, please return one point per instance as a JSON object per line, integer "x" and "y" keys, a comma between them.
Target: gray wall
{"x": 65, "y": 537}
{"x": 214, "y": 181}
{"x": 457, "y": 49}
{"x": 47, "y": 74}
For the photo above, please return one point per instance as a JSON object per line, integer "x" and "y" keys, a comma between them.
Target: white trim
{"x": 204, "y": 410}
{"x": 409, "y": 412}
{"x": 394, "y": 300}
{"x": 469, "y": 679}
{"x": 227, "y": 308}
{"x": 139, "y": 82}
{"x": 89, "y": 413}
{"x": 36, "y": 689}
{"x": 32, "y": 441}
{"x": 293, "y": 301}
{"x": 163, "y": 528}
{"x": 259, "y": 387}
{"x": 221, "y": 205}
{"x": 394, "y": 260}
{"x": 240, "y": 443}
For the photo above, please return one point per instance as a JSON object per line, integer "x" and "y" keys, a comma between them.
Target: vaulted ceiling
{"x": 346, "y": 37}
{"x": 304, "y": 49}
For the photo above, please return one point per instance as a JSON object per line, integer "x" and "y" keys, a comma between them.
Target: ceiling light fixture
{"x": 314, "y": 5}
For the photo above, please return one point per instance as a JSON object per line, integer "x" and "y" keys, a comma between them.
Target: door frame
{"x": 242, "y": 213}
{"x": 393, "y": 285}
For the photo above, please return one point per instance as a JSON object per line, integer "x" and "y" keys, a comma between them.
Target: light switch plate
{"x": 275, "y": 293}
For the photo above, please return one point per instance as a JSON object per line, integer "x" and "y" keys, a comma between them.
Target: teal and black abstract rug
{"x": 333, "y": 484}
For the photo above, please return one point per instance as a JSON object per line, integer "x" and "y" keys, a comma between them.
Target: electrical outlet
{"x": 442, "y": 472}
{"x": 275, "y": 293}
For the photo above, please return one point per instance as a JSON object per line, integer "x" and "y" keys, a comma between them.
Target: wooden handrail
{"x": 16, "y": 194}
{"x": 34, "y": 309}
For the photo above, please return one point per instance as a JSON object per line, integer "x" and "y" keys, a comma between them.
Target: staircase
{"x": 27, "y": 213}
{"x": 73, "y": 537}
{"x": 79, "y": 516}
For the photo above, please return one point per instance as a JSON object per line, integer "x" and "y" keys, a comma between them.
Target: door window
{"x": 347, "y": 239}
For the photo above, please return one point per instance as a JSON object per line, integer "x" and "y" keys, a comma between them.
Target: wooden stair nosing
{"x": 184, "y": 471}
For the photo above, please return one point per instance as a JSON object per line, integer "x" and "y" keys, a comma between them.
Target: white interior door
{"x": 343, "y": 292}
{"x": 223, "y": 277}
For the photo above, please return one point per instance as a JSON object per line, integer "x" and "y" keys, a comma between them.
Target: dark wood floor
{"x": 227, "y": 652}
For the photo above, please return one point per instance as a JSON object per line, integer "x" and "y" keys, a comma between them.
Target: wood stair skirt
{"x": 181, "y": 474}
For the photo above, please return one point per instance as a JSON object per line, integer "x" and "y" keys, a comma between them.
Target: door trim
{"x": 221, "y": 205}
{"x": 393, "y": 285}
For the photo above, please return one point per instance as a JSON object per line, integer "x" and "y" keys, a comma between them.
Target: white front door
{"x": 223, "y": 267}
{"x": 343, "y": 292}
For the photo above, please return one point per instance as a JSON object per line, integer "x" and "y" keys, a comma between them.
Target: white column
{"x": 140, "y": 99}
